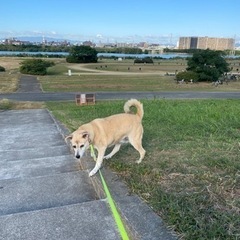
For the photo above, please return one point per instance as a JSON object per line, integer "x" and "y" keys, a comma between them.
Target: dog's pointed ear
{"x": 68, "y": 137}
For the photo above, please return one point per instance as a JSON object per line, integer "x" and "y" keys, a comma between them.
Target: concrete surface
{"x": 45, "y": 193}
{"x": 28, "y": 83}
{"x": 70, "y": 96}
{"x": 30, "y": 90}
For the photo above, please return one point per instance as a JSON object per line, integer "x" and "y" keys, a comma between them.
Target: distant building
{"x": 14, "y": 41}
{"x": 206, "y": 42}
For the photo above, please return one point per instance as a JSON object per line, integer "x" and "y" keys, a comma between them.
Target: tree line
{"x": 34, "y": 48}
{"x": 46, "y": 48}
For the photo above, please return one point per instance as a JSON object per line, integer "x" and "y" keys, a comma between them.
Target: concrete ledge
{"x": 88, "y": 220}
{"x": 141, "y": 221}
{"x": 34, "y": 153}
{"x": 38, "y": 167}
{"x": 45, "y": 192}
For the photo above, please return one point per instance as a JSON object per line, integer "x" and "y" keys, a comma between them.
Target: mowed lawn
{"x": 111, "y": 75}
{"x": 95, "y": 83}
{"x": 190, "y": 175}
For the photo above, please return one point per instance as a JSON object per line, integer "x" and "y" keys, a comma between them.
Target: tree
{"x": 2, "y": 69}
{"x": 208, "y": 64}
{"x": 35, "y": 66}
{"x": 82, "y": 54}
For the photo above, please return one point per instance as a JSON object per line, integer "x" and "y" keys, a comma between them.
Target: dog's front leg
{"x": 99, "y": 161}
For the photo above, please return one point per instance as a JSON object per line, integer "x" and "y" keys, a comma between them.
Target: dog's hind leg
{"x": 98, "y": 162}
{"x": 141, "y": 151}
{"x": 114, "y": 151}
{"x": 138, "y": 146}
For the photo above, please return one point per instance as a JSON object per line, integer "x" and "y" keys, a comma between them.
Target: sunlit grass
{"x": 112, "y": 75}
{"x": 191, "y": 172}
{"x": 8, "y": 82}
{"x": 6, "y": 104}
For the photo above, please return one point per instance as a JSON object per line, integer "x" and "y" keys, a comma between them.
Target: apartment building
{"x": 206, "y": 42}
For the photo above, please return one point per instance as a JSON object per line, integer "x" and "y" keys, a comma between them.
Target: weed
{"x": 5, "y": 104}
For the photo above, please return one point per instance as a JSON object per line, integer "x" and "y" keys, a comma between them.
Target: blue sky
{"x": 120, "y": 20}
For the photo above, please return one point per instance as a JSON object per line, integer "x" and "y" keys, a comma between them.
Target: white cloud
{"x": 99, "y": 36}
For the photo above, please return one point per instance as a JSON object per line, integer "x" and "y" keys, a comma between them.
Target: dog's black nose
{"x": 77, "y": 156}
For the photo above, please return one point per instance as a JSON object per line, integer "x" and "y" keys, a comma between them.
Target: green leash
{"x": 113, "y": 208}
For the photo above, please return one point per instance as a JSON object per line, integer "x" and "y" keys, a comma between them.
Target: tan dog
{"x": 112, "y": 130}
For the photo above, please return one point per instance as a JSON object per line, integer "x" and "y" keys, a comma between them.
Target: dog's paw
{"x": 93, "y": 172}
{"x": 138, "y": 161}
{"x": 107, "y": 156}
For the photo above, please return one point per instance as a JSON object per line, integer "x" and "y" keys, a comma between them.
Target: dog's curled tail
{"x": 135, "y": 103}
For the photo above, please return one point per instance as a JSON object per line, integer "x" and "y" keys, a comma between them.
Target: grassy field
{"x": 110, "y": 75}
{"x": 127, "y": 65}
{"x": 95, "y": 82}
{"x": 8, "y": 82}
{"x": 191, "y": 173}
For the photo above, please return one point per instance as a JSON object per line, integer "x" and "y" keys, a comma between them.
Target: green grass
{"x": 114, "y": 76}
{"x": 8, "y": 82}
{"x": 106, "y": 83}
{"x": 96, "y": 83}
{"x": 129, "y": 66}
{"x": 190, "y": 175}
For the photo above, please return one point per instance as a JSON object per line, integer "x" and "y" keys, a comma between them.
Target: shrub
{"x": 143, "y": 60}
{"x": 2, "y": 69}
{"x": 187, "y": 76}
{"x": 5, "y": 104}
{"x": 35, "y": 66}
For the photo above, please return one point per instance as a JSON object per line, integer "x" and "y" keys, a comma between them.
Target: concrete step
{"x": 45, "y": 192}
{"x": 21, "y": 117}
{"x": 38, "y": 167}
{"x": 28, "y": 129}
{"x": 33, "y": 153}
{"x": 33, "y": 128}
{"x": 89, "y": 220}
{"x": 26, "y": 141}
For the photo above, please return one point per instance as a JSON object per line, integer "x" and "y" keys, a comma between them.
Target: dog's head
{"x": 79, "y": 141}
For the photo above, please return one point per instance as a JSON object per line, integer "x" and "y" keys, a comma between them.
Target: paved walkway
{"x": 29, "y": 84}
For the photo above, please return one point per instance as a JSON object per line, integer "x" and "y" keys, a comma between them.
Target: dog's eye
{"x": 82, "y": 146}
{"x": 74, "y": 146}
